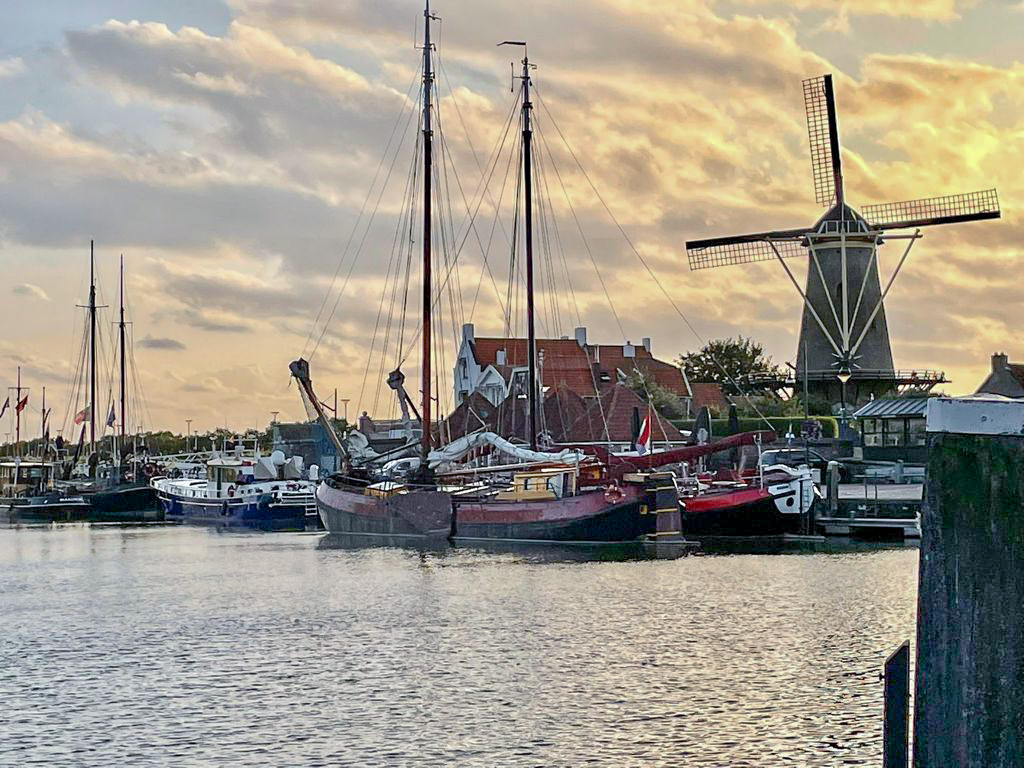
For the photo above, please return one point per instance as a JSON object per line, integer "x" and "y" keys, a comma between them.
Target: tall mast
{"x": 121, "y": 331}
{"x": 92, "y": 348}
{"x": 531, "y": 339}
{"x": 428, "y": 83}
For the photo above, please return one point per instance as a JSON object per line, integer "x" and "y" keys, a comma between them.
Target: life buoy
{"x": 149, "y": 470}
{"x": 613, "y": 494}
{"x": 231, "y": 490}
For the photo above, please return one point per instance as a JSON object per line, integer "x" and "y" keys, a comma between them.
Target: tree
{"x": 664, "y": 401}
{"x": 730, "y": 362}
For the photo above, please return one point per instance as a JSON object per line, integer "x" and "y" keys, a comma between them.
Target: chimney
{"x": 647, "y": 343}
{"x": 467, "y": 333}
{"x": 581, "y": 336}
{"x": 628, "y": 350}
{"x": 999, "y": 362}
{"x": 499, "y": 357}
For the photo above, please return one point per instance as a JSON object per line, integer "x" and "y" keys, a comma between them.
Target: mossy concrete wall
{"x": 969, "y": 691}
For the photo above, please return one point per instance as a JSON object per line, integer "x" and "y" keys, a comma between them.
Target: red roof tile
{"x": 566, "y": 364}
{"x": 568, "y": 417}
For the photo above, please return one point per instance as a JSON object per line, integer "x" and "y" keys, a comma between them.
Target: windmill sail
{"x": 823, "y": 137}
{"x": 843, "y": 327}
{"x": 744, "y": 249}
{"x": 948, "y": 209}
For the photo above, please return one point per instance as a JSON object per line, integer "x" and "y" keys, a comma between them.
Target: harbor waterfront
{"x": 168, "y": 645}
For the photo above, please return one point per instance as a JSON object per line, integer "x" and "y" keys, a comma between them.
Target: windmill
{"x": 843, "y": 333}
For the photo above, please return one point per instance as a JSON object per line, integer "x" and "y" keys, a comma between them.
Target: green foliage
{"x": 730, "y": 362}
{"x": 780, "y": 424}
{"x": 665, "y": 402}
{"x": 754, "y": 406}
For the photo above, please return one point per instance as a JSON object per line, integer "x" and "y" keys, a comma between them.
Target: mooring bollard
{"x": 832, "y": 480}
{"x": 896, "y": 728}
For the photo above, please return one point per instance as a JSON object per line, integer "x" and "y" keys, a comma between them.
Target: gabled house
{"x": 567, "y": 418}
{"x": 1006, "y": 378}
{"x": 495, "y": 367}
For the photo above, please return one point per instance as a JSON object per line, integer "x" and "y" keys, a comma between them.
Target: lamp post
{"x": 843, "y": 375}
{"x": 188, "y": 432}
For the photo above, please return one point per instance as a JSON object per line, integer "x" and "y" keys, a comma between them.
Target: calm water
{"x": 162, "y": 646}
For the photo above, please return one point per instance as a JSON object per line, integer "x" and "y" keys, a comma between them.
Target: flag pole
{"x": 17, "y": 417}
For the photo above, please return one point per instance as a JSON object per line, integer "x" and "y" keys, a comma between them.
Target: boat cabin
{"x": 541, "y": 485}
{"x": 221, "y": 473}
{"x": 19, "y": 478}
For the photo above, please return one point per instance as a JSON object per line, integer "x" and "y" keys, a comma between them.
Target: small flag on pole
{"x": 21, "y": 404}
{"x": 111, "y": 417}
{"x": 83, "y": 415}
{"x": 643, "y": 440}
{"x": 7, "y": 404}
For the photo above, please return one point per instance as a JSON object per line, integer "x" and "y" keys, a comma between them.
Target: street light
{"x": 188, "y": 432}
{"x": 843, "y": 374}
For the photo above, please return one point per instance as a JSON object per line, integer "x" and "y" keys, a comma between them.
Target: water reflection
{"x": 611, "y": 552}
{"x": 524, "y": 550}
{"x": 157, "y": 646}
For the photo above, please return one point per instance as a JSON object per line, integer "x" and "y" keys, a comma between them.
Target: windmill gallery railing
{"x": 906, "y": 378}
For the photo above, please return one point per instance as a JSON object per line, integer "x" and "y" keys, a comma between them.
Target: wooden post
{"x": 896, "y": 729}
{"x": 832, "y": 478}
{"x": 968, "y": 698}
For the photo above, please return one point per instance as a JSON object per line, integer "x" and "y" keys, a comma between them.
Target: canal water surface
{"x": 172, "y": 646}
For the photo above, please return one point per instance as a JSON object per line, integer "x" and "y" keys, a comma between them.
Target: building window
{"x": 894, "y": 432}
{"x": 917, "y": 435}
{"x": 871, "y": 430}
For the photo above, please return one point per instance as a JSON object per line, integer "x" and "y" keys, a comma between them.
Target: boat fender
{"x": 231, "y": 490}
{"x": 613, "y": 494}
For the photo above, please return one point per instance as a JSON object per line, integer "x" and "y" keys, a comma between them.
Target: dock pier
{"x": 871, "y": 510}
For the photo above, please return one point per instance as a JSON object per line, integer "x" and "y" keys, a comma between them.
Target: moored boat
{"x": 266, "y": 494}
{"x": 774, "y": 503}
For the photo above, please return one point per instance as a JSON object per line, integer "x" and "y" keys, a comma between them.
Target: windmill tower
{"x": 843, "y": 332}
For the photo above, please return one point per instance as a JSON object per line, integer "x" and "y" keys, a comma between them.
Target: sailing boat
{"x": 125, "y": 490}
{"x": 111, "y": 491}
{"x": 567, "y": 495}
{"x": 351, "y": 502}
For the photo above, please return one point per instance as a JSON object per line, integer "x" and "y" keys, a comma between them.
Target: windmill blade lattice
{"x": 819, "y": 135}
{"x": 948, "y": 209}
{"x": 705, "y": 254}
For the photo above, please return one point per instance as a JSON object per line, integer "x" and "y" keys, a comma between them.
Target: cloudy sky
{"x": 226, "y": 147}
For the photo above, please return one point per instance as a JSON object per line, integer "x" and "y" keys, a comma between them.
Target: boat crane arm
{"x": 619, "y": 466}
{"x": 300, "y": 370}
